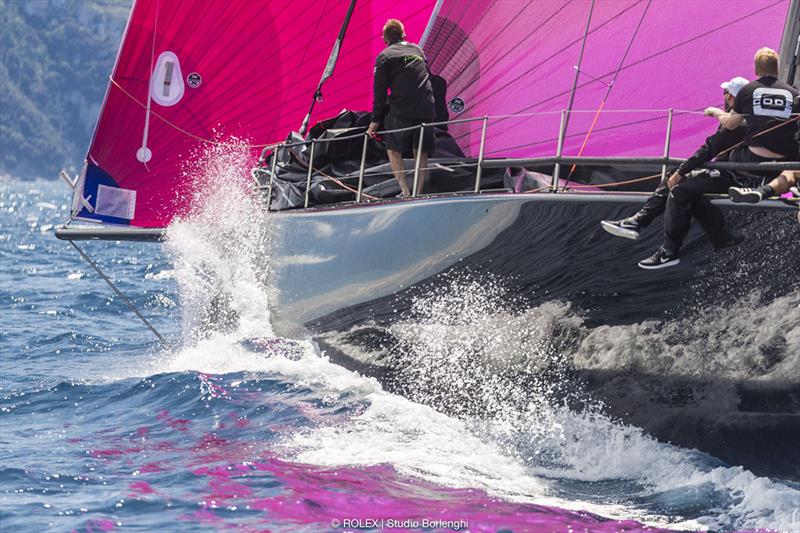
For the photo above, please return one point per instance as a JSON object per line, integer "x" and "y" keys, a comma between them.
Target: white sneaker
{"x": 743, "y": 195}
{"x": 628, "y": 228}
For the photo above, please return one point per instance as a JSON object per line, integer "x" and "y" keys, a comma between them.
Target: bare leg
{"x": 399, "y": 169}
{"x": 777, "y": 187}
{"x": 423, "y": 171}
{"x": 782, "y": 183}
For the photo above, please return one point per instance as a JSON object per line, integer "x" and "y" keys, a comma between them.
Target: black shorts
{"x": 744, "y": 178}
{"x": 408, "y": 141}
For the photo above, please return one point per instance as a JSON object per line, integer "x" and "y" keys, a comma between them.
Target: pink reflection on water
{"x": 318, "y": 495}
{"x": 209, "y": 387}
{"x": 240, "y": 474}
{"x": 98, "y": 525}
{"x": 149, "y": 468}
{"x": 141, "y": 488}
{"x": 181, "y": 424}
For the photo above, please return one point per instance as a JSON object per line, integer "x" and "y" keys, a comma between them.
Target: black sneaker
{"x": 660, "y": 259}
{"x": 743, "y": 195}
{"x": 627, "y": 227}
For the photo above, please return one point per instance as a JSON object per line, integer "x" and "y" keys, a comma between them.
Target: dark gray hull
{"x": 703, "y": 355}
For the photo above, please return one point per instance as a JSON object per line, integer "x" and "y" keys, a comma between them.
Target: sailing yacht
{"x": 559, "y": 114}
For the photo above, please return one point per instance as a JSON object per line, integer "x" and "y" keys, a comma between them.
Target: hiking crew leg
{"x": 712, "y": 220}
{"x": 682, "y": 198}
{"x": 654, "y": 205}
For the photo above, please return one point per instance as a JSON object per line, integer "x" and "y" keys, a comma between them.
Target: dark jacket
{"x": 402, "y": 68}
{"x": 716, "y": 143}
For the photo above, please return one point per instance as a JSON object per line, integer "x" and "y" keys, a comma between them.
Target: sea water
{"x": 235, "y": 428}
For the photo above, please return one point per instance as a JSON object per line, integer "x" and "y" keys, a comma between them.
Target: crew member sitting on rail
{"x": 402, "y": 69}
{"x": 708, "y": 215}
{"x": 768, "y": 105}
{"x": 789, "y": 180}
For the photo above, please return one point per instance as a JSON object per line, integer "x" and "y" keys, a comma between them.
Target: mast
{"x": 328, "y": 72}
{"x": 790, "y": 44}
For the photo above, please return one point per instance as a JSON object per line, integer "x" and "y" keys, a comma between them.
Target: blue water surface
{"x": 102, "y": 428}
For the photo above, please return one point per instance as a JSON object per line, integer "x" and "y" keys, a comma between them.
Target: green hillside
{"x": 55, "y": 59}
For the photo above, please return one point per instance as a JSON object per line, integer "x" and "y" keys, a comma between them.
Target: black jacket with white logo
{"x": 767, "y": 103}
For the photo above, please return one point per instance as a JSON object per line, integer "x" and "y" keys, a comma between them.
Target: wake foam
{"x": 510, "y": 377}
{"x": 490, "y": 397}
{"x": 749, "y": 339}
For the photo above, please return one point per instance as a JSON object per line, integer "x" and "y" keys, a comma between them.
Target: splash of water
{"x": 490, "y": 400}
{"x": 221, "y": 249}
{"x": 508, "y": 376}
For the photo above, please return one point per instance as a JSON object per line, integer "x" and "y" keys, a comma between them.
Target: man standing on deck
{"x": 402, "y": 69}
{"x": 708, "y": 215}
{"x": 768, "y": 105}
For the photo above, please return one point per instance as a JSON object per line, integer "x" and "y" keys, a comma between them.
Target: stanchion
{"x": 666, "y": 145}
{"x": 559, "y": 148}
{"x": 419, "y": 155}
{"x": 310, "y": 171}
{"x": 272, "y": 176}
{"x": 480, "y": 155}
{"x": 361, "y": 169}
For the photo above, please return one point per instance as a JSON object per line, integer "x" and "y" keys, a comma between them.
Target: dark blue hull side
{"x": 351, "y": 275}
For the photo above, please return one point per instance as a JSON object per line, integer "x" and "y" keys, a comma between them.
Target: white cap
{"x": 734, "y": 85}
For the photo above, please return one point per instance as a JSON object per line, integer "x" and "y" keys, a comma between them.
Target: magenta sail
{"x": 520, "y": 59}
{"x": 193, "y": 73}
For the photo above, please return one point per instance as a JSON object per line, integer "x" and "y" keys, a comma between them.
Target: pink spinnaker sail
{"x": 246, "y": 69}
{"x": 519, "y": 58}
{"x": 216, "y": 70}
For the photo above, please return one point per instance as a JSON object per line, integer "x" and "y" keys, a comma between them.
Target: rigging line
{"x": 631, "y": 123}
{"x": 722, "y": 26}
{"x": 537, "y": 66}
{"x": 287, "y": 114}
{"x": 658, "y": 175}
{"x": 453, "y": 50}
{"x": 329, "y": 66}
{"x": 453, "y": 26}
{"x": 146, "y": 130}
{"x": 759, "y": 134}
{"x": 725, "y": 26}
{"x": 608, "y": 89}
{"x": 494, "y": 61}
{"x": 188, "y": 133}
{"x": 335, "y": 180}
{"x": 578, "y": 69}
{"x": 431, "y": 23}
{"x": 585, "y": 140}
{"x": 302, "y": 60}
{"x": 119, "y": 293}
{"x": 553, "y": 139}
{"x": 598, "y": 186}
{"x": 598, "y": 80}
